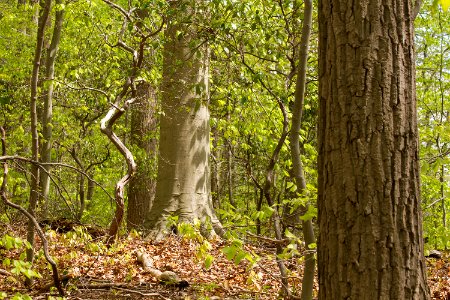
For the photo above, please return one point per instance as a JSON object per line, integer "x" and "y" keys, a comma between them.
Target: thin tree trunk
{"x": 229, "y": 155}
{"x": 230, "y": 175}
{"x": 82, "y": 197}
{"x": 48, "y": 107}
{"x": 34, "y": 193}
{"x": 31, "y": 218}
{"x": 297, "y": 168}
{"x": 268, "y": 184}
{"x": 91, "y": 188}
{"x": 215, "y": 170}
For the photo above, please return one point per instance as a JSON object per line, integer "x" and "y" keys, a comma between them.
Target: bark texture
{"x": 370, "y": 244}
{"x": 183, "y": 183}
{"x": 143, "y": 140}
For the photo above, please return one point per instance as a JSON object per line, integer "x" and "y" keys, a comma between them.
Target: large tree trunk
{"x": 183, "y": 183}
{"x": 143, "y": 129}
{"x": 370, "y": 244}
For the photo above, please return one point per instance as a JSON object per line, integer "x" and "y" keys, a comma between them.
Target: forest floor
{"x": 98, "y": 272}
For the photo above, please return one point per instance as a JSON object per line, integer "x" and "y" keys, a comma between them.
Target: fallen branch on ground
{"x": 5, "y": 273}
{"x": 166, "y": 277}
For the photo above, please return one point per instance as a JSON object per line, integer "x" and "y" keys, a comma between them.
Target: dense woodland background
{"x": 87, "y": 58}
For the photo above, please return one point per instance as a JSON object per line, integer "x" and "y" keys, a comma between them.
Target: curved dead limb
{"x": 30, "y": 218}
{"x": 106, "y": 127}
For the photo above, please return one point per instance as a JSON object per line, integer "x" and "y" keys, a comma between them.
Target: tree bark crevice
{"x": 370, "y": 221}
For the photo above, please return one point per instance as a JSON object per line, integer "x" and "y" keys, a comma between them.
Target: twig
{"x": 434, "y": 202}
{"x": 5, "y": 273}
{"x": 267, "y": 239}
{"x": 141, "y": 293}
{"x": 41, "y": 165}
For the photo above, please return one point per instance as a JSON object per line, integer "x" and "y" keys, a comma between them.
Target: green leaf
{"x": 208, "y": 261}
{"x": 6, "y": 262}
{"x": 312, "y": 246}
{"x": 289, "y": 235}
{"x": 239, "y": 257}
{"x": 230, "y": 252}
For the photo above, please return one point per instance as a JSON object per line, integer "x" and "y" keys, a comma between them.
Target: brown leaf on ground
{"x": 101, "y": 273}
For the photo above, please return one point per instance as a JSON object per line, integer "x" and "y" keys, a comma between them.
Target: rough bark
{"x": 34, "y": 185}
{"x": 128, "y": 88}
{"x": 48, "y": 107}
{"x": 183, "y": 183}
{"x": 297, "y": 167}
{"x": 143, "y": 131}
{"x": 370, "y": 220}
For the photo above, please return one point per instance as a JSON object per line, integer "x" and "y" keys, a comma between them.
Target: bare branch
{"x": 41, "y": 165}
{"x": 119, "y": 8}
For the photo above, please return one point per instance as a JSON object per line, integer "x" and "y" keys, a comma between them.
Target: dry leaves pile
{"x": 100, "y": 273}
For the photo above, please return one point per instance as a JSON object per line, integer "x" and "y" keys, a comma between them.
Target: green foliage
{"x": 193, "y": 232}
{"x": 19, "y": 296}
{"x": 444, "y": 3}
{"x": 17, "y": 266}
{"x": 253, "y": 64}
{"x": 9, "y": 242}
{"x": 433, "y": 61}
{"x": 236, "y": 253}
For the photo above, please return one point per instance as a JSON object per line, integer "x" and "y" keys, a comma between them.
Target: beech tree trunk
{"x": 48, "y": 107}
{"x": 370, "y": 220}
{"x": 44, "y": 12}
{"x": 143, "y": 140}
{"x": 183, "y": 183}
{"x": 297, "y": 166}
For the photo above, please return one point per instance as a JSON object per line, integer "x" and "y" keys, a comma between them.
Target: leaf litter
{"x": 97, "y": 272}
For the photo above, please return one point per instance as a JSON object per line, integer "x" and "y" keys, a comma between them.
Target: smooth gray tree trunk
{"x": 44, "y": 13}
{"x": 294, "y": 137}
{"x": 48, "y": 108}
{"x": 183, "y": 183}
